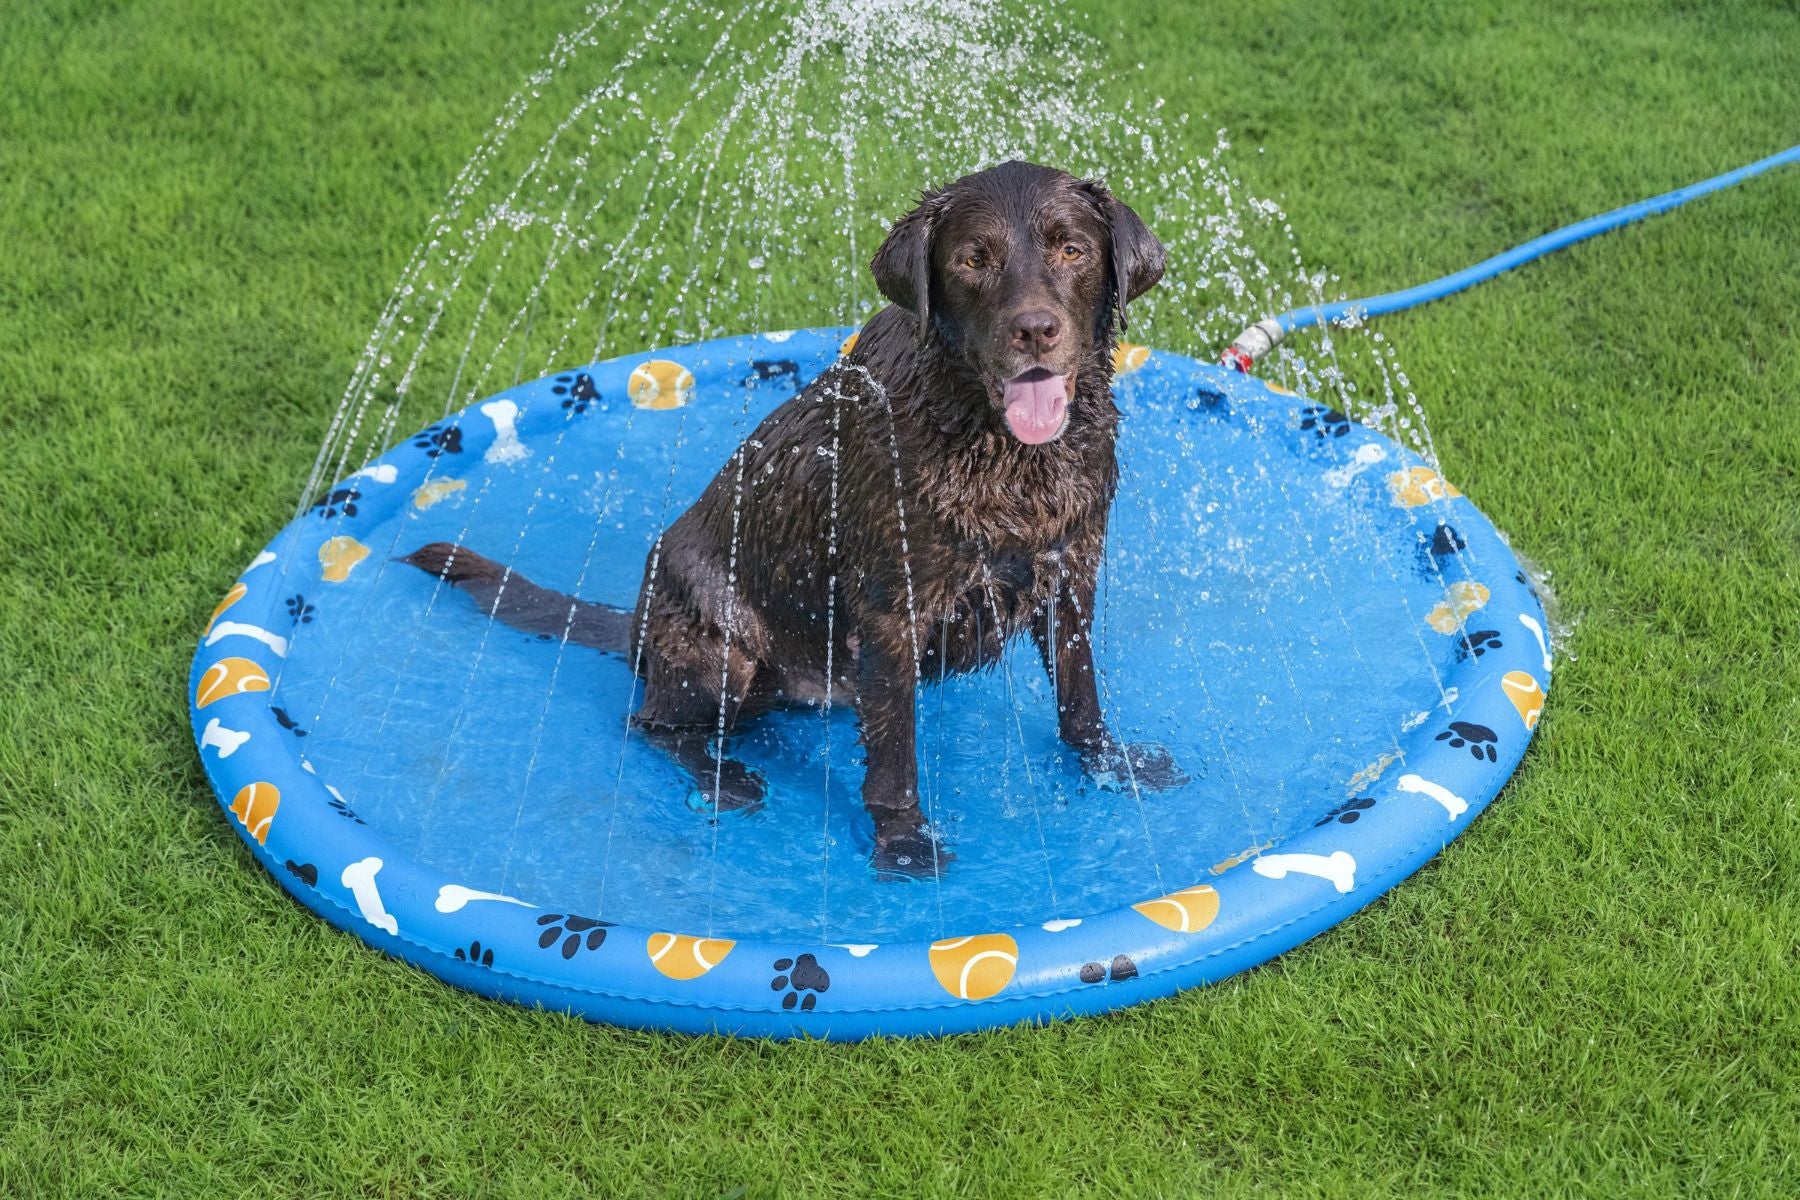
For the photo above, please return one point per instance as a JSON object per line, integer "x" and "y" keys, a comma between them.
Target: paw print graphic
{"x": 578, "y": 392}
{"x": 286, "y": 721}
{"x": 344, "y": 810}
{"x": 339, "y": 500}
{"x": 1446, "y": 541}
{"x": 772, "y": 370}
{"x": 1481, "y": 641}
{"x": 570, "y": 930}
{"x": 803, "y": 979}
{"x": 1478, "y": 738}
{"x": 1347, "y": 813}
{"x": 299, "y": 610}
{"x": 440, "y": 439}
{"x": 306, "y": 873}
{"x": 1207, "y": 398}
{"x": 1324, "y": 422}
{"x": 476, "y": 954}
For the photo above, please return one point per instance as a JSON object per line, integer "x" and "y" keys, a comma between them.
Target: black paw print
{"x": 305, "y": 872}
{"x": 286, "y": 722}
{"x": 571, "y": 929}
{"x": 1446, "y": 541}
{"x": 579, "y": 393}
{"x": 1529, "y": 586}
{"x": 339, "y": 500}
{"x": 343, "y": 810}
{"x": 299, "y": 610}
{"x": 772, "y": 371}
{"x": 1481, "y": 641}
{"x": 1347, "y": 813}
{"x": 802, "y": 974}
{"x": 440, "y": 439}
{"x": 1478, "y": 738}
{"x": 1122, "y": 969}
{"x": 1324, "y": 422}
{"x": 476, "y": 954}
{"x": 1208, "y": 398}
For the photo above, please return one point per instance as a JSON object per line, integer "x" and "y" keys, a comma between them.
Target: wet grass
{"x": 202, "y": 206}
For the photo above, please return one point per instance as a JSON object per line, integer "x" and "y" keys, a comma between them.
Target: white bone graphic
{"x": 778, "y": 335}
{"x": 856, "y": 949}
{"x": 453, "y": 896}
{"x": 507, "y": 447}
{"x": 1366, "y": 456}
{"x": 1538, "y": 632}
{"x": 1337, "y": 866}
{"x": 384, "y": 473}
{"x": 1453, "y": 804}
{"x": 1061, "y": 923}
{"x": 225, "y": 741}
{"x": 225, "y": 629}
{"x": 359, "y": 877}
{"x": 261, "y": 560}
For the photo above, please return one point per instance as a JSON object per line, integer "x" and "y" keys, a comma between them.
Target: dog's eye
{"x": 1072, "y": 252}
{"x": 975, "y": 262}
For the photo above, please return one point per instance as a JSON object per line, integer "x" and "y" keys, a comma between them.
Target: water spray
{"x": 1263, "y": 336}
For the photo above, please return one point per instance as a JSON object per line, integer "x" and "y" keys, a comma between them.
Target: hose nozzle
{"x": 1252, "y": 344}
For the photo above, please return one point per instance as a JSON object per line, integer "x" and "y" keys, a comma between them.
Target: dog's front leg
{"x": 1064, "y": 635}
{"x": 886, "y": 684}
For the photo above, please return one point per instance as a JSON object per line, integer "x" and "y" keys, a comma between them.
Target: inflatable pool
{"x": 1339, "y": 650}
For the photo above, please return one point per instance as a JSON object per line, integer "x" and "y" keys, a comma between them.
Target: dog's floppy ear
{"x": 1138, "y": 258}
{"x": 902, "y": 267}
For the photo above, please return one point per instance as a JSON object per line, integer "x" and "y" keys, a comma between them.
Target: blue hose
{"x": 1250, "y": 347}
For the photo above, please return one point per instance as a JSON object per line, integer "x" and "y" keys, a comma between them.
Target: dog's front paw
{"x": 732, "y": 787}
{"x": 911, "y": 855}
{"x": 1138, "y": 766}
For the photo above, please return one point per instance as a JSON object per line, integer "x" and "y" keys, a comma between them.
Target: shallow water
{"x": 1260, "y": 615}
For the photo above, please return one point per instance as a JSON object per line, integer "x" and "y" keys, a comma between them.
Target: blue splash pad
{"x": 1335, "y": 646}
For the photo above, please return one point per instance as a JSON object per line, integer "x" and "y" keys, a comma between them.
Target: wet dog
{"x": 939, "y": 490}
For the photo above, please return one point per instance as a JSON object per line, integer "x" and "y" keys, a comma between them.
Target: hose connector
{"x": 1252, "y": 344}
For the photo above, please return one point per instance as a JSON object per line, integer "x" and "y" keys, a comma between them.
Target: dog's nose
{"x": 1036, "y": 332}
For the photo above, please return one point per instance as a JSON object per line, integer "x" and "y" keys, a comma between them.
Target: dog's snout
{"x": 1036, "y": 331}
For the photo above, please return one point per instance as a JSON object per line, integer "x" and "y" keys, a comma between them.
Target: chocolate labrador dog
{"x": 940, "y": 489}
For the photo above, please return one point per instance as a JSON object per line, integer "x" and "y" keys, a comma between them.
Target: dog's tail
{"x": 502, "y": 592}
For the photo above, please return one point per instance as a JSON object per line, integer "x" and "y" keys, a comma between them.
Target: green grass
{"x": 202, "y": 206}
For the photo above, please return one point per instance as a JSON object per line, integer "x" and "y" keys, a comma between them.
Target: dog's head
{"x": 1018, "y": 270}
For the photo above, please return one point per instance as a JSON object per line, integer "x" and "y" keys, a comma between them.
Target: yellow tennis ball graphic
{"x": 254, "y": 807}
{"x": 1526, "y": 696}
{"x": 1420, "y": 485}
{"x": 974, "y": 968}
{"x": 436, "y": 492}
{"x": 229, "y": 677}
{"x": 1465, "y": 598}
{"x": 659, "y": 384}
{"x": 848, "y": 344}
{"x": 1279, "y": 390}
{"x": 1188, "y": 911}
{"x": 339, "y": 557}
{"x": 237, "y": 592}
{"x": 1128, "y": 357}
{"x": 683, "y": 956}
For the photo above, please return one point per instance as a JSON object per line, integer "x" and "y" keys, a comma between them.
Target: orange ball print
{"x": 974, "y": 968}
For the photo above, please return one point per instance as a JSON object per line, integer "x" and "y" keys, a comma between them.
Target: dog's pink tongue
{"x": 1035, "y": 404}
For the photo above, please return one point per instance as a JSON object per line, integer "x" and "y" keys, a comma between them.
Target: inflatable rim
{"x": 304, "y": 834}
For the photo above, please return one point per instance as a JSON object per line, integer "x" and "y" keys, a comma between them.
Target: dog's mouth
{"x": 1037, "y": 404}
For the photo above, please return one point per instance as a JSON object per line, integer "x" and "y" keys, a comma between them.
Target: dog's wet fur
{"x": 1002, "y": 281}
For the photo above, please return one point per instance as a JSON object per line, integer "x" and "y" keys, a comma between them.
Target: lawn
{"x": 1593, "y": 992}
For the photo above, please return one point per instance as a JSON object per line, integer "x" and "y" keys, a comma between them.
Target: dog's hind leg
{"x": 682, "y": 715}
